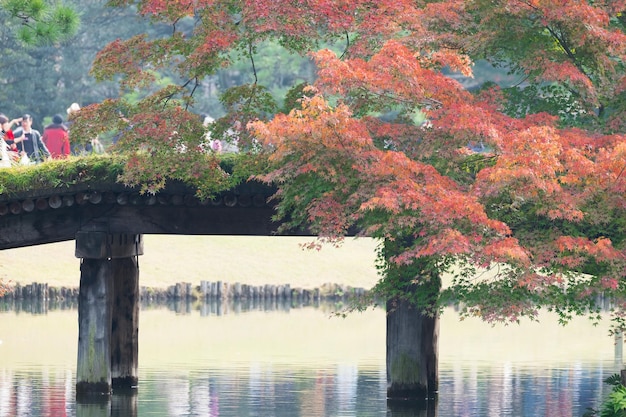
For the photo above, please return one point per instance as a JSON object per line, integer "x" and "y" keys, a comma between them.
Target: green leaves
{"x": 550, "y": 98}
{"x": 42, "y": 23}
{"x": 615, "y": 404}
{"x": 243, "y": 104}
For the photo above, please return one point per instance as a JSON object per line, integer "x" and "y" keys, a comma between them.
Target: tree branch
{"x": 256, "y": 79}
{"x": 425, "y": 102}
{"x": 345, "y": 51}
{"x": 568, "y": 51}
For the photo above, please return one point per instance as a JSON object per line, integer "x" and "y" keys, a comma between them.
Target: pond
{"x": 224, "y": 360}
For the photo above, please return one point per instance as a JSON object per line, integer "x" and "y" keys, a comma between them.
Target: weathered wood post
{"x": 412, "y": 353}
{"x": 93, "y": 371}
{"x": 125, "y": 323}
{"x": 412, "y": 327}
{"x": 108, "y": 311}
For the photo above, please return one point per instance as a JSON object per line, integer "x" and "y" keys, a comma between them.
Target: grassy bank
{"x": 171, "y": 259}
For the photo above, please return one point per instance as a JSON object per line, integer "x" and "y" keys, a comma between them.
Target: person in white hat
{"x": 72, "y": 108}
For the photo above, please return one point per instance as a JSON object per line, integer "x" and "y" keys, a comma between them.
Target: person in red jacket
{"x": 8, "y": 149}
{"x": 56, "y": 139}
{"x": 6, "y": 133}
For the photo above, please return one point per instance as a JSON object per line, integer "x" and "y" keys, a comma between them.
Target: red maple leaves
{"x": 391, "y": 145}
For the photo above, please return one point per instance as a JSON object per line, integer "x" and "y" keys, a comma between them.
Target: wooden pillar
{"x": 108, "y": 311}
{"x": 412, "y": 353}
{"x": 93, "y": 371}
{"x": 125, "y": 324}
{"x": 412, "y": 326}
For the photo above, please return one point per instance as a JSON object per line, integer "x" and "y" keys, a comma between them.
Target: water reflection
{"x": 412, "y": 409}
{"x": 285, "y": 360}
{"x": 185, "y": 306}
{"x": 265, "y": 392}
{"x": 37, "y": 306}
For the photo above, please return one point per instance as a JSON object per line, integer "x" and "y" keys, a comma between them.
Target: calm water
{"x": 278, "y": 361}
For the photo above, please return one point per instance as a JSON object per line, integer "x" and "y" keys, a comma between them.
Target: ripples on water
{"x": 299, "y": 362}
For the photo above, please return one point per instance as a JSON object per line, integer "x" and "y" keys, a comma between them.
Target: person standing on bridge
{"x": 56, "y": 138}
{"x": 7, "y": 133}
{"x": 30, "y": 143}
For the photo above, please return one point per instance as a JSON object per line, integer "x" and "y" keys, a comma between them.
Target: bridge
{"x": 107, "y": 220}
{"x": 58, "y": 214}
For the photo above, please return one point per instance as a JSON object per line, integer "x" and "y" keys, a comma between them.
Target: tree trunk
{"x": 412, "y": 352}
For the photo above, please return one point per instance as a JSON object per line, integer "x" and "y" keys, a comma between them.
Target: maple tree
{"x": 527, "y": 180}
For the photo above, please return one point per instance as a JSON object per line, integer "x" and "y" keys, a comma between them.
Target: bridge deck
{"x": 54, "y": 215}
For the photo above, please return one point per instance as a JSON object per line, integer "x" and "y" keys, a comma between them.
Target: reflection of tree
{"x": 313, "y": 399}
{"x": 500, "y": 405}
{"x": 7, "y": 403}
{"x": 256, "y": 382}
{"x": 200, "y": 397}
{"x": 214, "y": 407}
{"x": 177, "y": 391}
{"x": 346, "y": 387}
{"x": 265, "y": 389}
{"x": 35, "y": 394}
{"x": 24, "y": 396}
{"x": 462, "y": 383}
{"x": 54, "y": 400}
{"x": 509, "y": 390}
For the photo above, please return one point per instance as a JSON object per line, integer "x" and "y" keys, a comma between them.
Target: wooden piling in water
{"x": 95, "y": 309}
{"x": 107, "y": 341}
{"x": 125, "y": 324}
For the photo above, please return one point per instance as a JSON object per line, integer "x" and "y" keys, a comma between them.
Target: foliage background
{"x": 44, "y": 80}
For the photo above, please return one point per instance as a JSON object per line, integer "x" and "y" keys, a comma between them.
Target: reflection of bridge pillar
{"x": 108, "y": 311}
{"x": 124, "y": 404}
{"x": 412, "y": 408}
{"x": 94, "y": 407}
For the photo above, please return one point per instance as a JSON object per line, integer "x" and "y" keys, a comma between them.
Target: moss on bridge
{"x": 60, "y": 173}
{"x": 73, "y": 171}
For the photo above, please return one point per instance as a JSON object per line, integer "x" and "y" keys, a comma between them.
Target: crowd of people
{"x": 21, "y": 144}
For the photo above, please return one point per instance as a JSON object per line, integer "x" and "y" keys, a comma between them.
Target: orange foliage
{"x": 445, "y": 166}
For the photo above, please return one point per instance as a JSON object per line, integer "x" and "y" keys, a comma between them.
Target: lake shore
{"x": 168, "y": 260}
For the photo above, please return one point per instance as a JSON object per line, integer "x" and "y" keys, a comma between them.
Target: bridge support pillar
{"x": 125, "y": 323}
{"x": 412, "y": 350}
{"x": 93, "y": 373}
{"x": 108, "y": 311}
